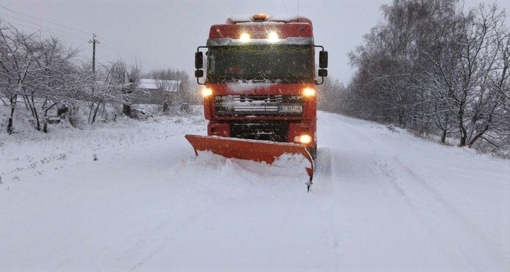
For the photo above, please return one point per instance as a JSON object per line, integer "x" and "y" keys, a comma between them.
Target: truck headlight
{"x": 303, "y": 139}
{"x": 272, "y": 37}
{"x": 245, "y": 37}
{"x": 309, "y": 92}
{"x": 206, "y": 92}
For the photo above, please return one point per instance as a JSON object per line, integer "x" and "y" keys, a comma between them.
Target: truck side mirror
{"x": 199, "y": 60}
{"x": 199, "y": 73}
{"x": 323, "y": 72}
{"x": 323, "y": 59}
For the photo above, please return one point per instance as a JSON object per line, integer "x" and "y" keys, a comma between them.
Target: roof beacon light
{"x": 259, "y": 17}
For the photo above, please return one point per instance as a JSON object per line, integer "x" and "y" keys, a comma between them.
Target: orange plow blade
{"x": 254, "y": 150}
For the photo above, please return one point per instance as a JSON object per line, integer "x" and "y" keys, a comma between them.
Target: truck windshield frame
{"x": 281, "y": 63}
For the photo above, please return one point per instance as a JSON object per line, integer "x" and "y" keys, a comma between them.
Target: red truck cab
{"x": 260, "y": 79}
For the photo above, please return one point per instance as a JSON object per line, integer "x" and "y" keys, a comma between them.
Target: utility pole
{"x": 92, "y": 118}
{"x": 93, "y": 42}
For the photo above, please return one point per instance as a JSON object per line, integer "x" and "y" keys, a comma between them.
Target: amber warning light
{"x": 259, "y": 17}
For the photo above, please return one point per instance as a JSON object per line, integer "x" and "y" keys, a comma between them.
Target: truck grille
{"x": 270, "y": 131}
{"x": 259, "y": 105}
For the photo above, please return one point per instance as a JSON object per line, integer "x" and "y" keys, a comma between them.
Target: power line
{"x": 50, "y": 22}
{"x": 110, "y": 46}
{"x": 283, "y": 2}
{"x": 64, "y": 33}
{"x": 131, "y": 55}
{"x": 41, "y": 27}
{"x": 94, "y": 41}
{"x": 106, "y": 47}
{"x": 43, "y": 30}
{"x": 118, "y": 49}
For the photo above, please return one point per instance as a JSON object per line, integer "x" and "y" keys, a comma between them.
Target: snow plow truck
{"x": 259, "y": 88}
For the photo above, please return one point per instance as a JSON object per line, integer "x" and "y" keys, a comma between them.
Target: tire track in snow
{"x": 446, "y": 224}
{"x": 156, "y": 239}
{"x": 348, "y": 165}
{"x": 236, "y": 205}
{"x": 322, "y": 187}
{"x": 441, "y": 218}
{"x": 373, "y": 154}
{"x": 323, "y": 179}
{"x": 366, "y": 159}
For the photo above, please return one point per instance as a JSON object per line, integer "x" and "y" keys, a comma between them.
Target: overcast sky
{"x": 163, "y": 34}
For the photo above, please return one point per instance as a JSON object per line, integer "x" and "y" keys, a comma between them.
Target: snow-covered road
{"x": 382, "y": 200}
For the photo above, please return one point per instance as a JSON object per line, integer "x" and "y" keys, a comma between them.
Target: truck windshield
{"x": 286, "y": 63}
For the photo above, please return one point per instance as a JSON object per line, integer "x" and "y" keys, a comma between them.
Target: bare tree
{"x": 114, "y": 84}
{"x": 55, "y": 80}
{"x": 329, "y": 96}
{"x": 16, "y": 63}
{"x": 464, "y": 72}
{"x": 434, "y": 68}
{"x": 186, "y": 92}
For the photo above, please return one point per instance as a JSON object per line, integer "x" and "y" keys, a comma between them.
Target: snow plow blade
{"x": 254, "y": 150}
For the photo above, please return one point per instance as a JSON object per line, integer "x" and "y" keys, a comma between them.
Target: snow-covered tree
{"x": 434, "y": 68}
{"x": 16, "y": 63}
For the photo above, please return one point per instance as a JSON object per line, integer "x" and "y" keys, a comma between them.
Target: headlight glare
{"x": 309, "y": 92}
{"x": 272, "y": 37}
{"x": 245, "y": 37}
{"x": 206, "y": 92}
{"x": 303, "y": 139}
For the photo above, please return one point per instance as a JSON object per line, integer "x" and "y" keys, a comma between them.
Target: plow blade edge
{"x": 254, "y": 150}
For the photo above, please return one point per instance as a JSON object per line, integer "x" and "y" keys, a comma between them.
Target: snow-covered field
{"x": 133, "y": 197}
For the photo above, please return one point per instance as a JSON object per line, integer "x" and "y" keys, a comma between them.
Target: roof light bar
{"x": 259, "y": 17}
{"x": 245, "y": 37}
{"x": 272, "y": 36}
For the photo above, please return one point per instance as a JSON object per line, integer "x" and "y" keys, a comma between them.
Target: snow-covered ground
{"x": 133, "y": 197}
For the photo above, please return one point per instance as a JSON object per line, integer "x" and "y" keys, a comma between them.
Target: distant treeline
{"x": 432, "y": 67}
{"x": 42, "y": 74}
